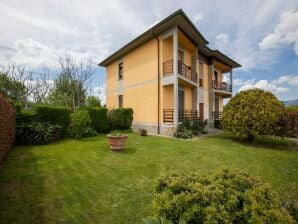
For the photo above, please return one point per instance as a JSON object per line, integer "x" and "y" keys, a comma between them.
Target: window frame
{"x": 120, "y": 101}
{"x": 120, "y": 74}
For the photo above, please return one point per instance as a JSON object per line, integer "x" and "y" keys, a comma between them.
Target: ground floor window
{"x": 120, "y": 101}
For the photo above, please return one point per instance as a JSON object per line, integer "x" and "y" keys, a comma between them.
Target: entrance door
{"x": 180, "y": 105}
{"x": 201, "y": 111}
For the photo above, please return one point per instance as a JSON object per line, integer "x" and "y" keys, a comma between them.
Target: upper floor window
{"x": 120, "y": 71}
{"x": 120, "y": 101}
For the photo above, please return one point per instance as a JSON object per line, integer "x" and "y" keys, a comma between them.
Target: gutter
{"x": 158, "y": 82}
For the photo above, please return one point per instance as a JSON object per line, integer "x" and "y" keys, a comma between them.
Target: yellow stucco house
{"x": 166, "y": 74}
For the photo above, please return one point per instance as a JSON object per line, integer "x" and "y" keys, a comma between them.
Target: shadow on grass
{"x": 267, "y": 142}
{"x": 21, "y": 189}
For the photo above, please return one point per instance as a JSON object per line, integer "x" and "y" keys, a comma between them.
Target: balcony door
{"x": 181, "y": 68}
{"x": 180, "y": 105}
{"x": 216, "y": 104}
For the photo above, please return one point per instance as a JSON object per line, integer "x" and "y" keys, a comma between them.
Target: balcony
{"x": 168, "y": 115}
{"x": 183, "y": 70}
{"x": 216, "y": 115}
{"x": 222, "y": 86}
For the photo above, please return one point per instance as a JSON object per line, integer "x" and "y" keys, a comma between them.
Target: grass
{"x": 84, "y": 182}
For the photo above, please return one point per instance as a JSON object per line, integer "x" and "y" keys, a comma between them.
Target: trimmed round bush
{"x": 228, "y": 197}
{"x": 79, "y": 122}
{"x": 253, "y": 112}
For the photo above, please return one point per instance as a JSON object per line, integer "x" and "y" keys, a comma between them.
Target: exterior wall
{"x": 139, "y": 82}
{"x": 168, "y": 97}
{"x": 187, "y": 98}
{"x": 167, "y": 49}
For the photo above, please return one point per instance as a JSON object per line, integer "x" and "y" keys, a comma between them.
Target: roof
{"x": 178, "y": 18}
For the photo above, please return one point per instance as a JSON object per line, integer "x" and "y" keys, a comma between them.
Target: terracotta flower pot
{"x": 117, "y": 142}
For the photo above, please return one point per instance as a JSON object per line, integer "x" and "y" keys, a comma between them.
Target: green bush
{"x": 37, "y": 133}
{"x": 55, "y": 115}
{"x": 253, "y": 112}
{"x": 120, "y": 119}
{"x": 199, "y": 126}
{"x": 89, "y": 132}
{"x": 99, "y": 118}
{"x": 143, "y": 132}
{"x": 25, "y": 116}
{"x": 80, "y": 121}
{"x": 229, "y": 197}
{"x": 184, "y": 129}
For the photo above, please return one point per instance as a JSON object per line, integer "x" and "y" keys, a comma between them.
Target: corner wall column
{"x": 175, "y": 74}
{"x": 211, "y": 91}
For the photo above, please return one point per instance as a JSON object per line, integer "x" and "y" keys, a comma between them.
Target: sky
{"x": 262, "y": 35}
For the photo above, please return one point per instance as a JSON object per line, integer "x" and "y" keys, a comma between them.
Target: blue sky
{"x": 262, "y": 35}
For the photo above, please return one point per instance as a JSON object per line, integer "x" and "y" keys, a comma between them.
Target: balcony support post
{"x": 211, "y": 91}
{"x": 231, "y": 80}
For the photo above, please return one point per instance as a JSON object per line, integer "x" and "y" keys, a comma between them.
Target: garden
{"x": 65, "y": 164}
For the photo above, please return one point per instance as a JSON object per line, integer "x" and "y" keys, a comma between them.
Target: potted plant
{"x": 117, "y": 141}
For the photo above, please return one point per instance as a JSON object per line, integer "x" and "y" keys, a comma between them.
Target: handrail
{"x": 221, "y": 86}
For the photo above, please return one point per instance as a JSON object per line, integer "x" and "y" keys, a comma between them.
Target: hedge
{"x": 55, "y": 115}
{"x": 120, "y": 119}
{"x": 7, "y": 126}
{"x": 99, "y": 118}
{"x": 293, "y": 124}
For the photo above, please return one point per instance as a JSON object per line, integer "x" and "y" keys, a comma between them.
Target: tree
{"x": 11, "y": 89}
{"x": 253, "y": 112}
{"x": 69, "y": 88}
{"x": 93, "y": 101}
{"x": 24, "y": 86}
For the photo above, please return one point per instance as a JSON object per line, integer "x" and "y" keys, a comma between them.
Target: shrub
{"x": 143, "y": 132}
{"x": 199, "y": 126}
{"x": 55, "y": 115}
{"x": 120, "y": 119}
{"x": 7, "y": 126}
{"x": 99, "y": 119}
{"x": 292, "y": 124}
{"x": 252, "y": 113}
{"x": 184, "y": 129}
{"x": 229, "y": 197}
{"x": 80, "y": 121}
{"x": 89, "y": 132}
{"x": 25, "y": 116}
{"x": 37, "y": 133}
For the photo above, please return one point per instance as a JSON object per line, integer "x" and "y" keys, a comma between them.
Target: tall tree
{"x": 69, "y": 88}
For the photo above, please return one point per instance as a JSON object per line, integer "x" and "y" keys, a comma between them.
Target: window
{"x": 120, "y": 101}
{"x": 120, "y": 71}
{"x": 201, "y": 74}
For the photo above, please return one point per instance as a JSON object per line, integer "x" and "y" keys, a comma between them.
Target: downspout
{"x": 158, "y": 83}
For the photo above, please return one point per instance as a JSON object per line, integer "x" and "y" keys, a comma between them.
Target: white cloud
{"x": 285, "y": 33}
{"x": 222, "y": 40}
{"x": 100, "y": 92}
{"x": 289, "y": 79}
{"x": 265, "y": 85}
{"x": 198, "y": 18}
{"x": 242, "y": 82}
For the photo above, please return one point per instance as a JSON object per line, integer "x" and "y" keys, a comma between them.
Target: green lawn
{"x": 84, "y": 182}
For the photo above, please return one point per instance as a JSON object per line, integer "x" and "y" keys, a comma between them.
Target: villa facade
{"x": 167, "y": 74}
